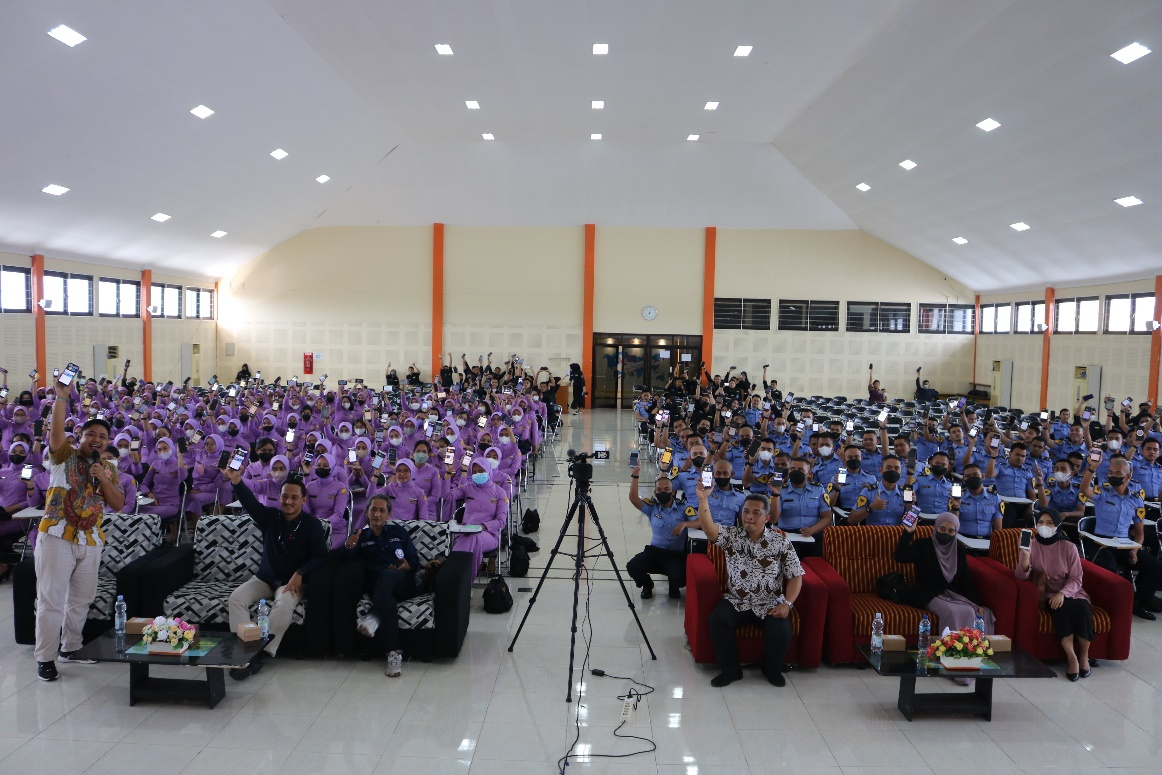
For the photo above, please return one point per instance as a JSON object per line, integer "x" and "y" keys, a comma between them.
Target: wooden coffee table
{"x": 228, "y": 652}
{"x": 908, "y": 666}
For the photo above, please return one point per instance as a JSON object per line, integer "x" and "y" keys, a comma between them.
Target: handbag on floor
{"x": 497, "y": 598}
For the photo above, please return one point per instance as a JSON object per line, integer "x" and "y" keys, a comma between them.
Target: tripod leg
{"x": 617, "y": 571}
{"x": 578, "y": 566}
{"x": 544, "y": 574}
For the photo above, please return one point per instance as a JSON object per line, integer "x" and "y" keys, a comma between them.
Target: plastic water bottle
{"x": 925, "y": 634}
{"x": 119, "y": 615}
{"x": 263, "y": 617}
{"x": 877, "y": 636}
{"x": 978, "y": 622}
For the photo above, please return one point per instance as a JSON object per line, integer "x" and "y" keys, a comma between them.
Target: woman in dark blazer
{"x": 943, "y": 583}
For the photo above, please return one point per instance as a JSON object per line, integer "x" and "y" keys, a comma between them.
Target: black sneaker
{"x": 724, "y": 679}
{"x": 1153, "y": 605}
{"x": 46, "y": 671}
{"x": 647, "y": 592}
{"x": 1141, "y": 612}
{"x": 67, "y": 656}
{"x": 675, "y": 593}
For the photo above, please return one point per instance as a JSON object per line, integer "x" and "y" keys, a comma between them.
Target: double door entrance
{"x": 625, "y": 363}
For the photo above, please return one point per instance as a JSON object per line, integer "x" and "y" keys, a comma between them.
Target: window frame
{"x": 27, "y": 274}
{"x": 118, "y": 284}
{"x": 159, "y": 301}
{"x": 1134, "y": 297}
{"x": 67, "y": 306}
{"x": 987, "y": 312}
{"x": 947, "y": 314}
{"x": 877, "y": 317}
{"x": 196, "y": 313}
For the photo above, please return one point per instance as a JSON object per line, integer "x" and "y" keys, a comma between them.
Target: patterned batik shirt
{"x": 73, "y": 506}
{"x": 756, "y": 570}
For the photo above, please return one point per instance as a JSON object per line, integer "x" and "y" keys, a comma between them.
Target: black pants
{"x": 334, "y": 594}
{"x": 666, "y": 562}
{"x": 1149, "y": 570}
{"x": 1074, "y": 617}
{"x": 725, "y": 619}
{"x": 392, "y": 587}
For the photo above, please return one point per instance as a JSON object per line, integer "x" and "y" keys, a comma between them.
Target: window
{"x": 796, "y": 315}
{"x": 1024, "y": 324}
{"x": 68, "y": 294}
{"x": 1076, "y": 316}
{"x": 988, "y": 318}
{"x": 15, "y": 289}
{"x": 1129, "y": 313}
{"x": 879, "y": 316}
{"x": 748, "y": 314}
{"x": 118, "y": 298}
{"x": 200, "y": 304}
{"x": 167, "y": 300}
{"x": 1004, "y": 318}
{"x": 946, "y": 318}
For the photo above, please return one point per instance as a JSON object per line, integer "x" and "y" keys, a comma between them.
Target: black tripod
{"x": 581, "y": 471}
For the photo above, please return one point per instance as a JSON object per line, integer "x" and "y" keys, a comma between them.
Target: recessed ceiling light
{"x": 711, "y": 106}
{"x": 159, "y": 217}
{"x": 600, "y": 49}
{"x": 1019, "y": 226}
{"x": 1125, "y": 201}
{"x": 202, "y": 112}
{"x": 488, "y": 136}
{"x": 989, "y": 124}
{"x": 743, "y": 51}
{"x": 960, "y": 240}
{"x": 67, "y": 35}
{"x": 443, "y": 49}
{"x": 595, "y": 136}
{"x": 279, "y": 154}
{"x": 692, "y": 138}
{"x": 598, "y": 104}
{"x": 863, "y": 187}
{"x": 323, "y": 178}
{"x": 908, "y": 164}
{"x": 218, "y": 234}
{"x": 1124, "y": 55}
{"x": 54, "y": 189}
{"x": 472, "y": 104}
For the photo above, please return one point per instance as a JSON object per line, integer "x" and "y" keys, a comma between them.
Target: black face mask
{"x": 854, "y": 464}
{"x": 698, "y": 461}
{"x": 232, "y": 431}
{"x": 244, "y": 417}
{"x": 973, "y": 482}
{"x": 268, "y": 429}
{"x": 292, "y": 425}
{"x": 26, "y": 402}
{"x": 306, "y": 416}
{"x": 483, "y": 446}
{"x": 1116, "y": 481}
{"x": 797, "y": 477}
{"x": 322, "y": 473}
{"x": 118, "y": 423}
{"x": 663, "y": 498}
{"x": 266, "y": 457}
{"x": 938, "y": 471}
{"x": 944, "y": 539}
{"x": 722, "y": 482}
{"x": 17, "y": 459}
{"x": 891, "y": 477}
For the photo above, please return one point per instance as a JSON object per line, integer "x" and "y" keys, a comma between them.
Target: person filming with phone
{"x": 1051, "y": 561}
{"x": 68, "y": 547}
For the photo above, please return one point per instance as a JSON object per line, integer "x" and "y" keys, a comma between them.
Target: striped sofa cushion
{"x": 1004, "y": 546}
{"x": 1101, "y": 622}
{"x": 898, "y": 619}
{"x": 718, "y": 559}
{"x": 863, "y": 553}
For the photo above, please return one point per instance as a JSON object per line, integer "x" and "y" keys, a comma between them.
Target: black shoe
{"x": 647, "y": 592}
{"x": 675, "y": 593}
{"x": 239, "y": 673}
{"x": 778, "y": 679}
{"x": 1153, "y": 605}
{"x": 1141, "y": 612}
{"x": 46, "y": 671}
{"x": 67, "y": 656}
{"x": 724, "y": 679}
{"x": 1085, "y": 673}
{"x": 257, "y": 663}
{"x": 1072, "y": 677}
{"x": 6, "y": 572}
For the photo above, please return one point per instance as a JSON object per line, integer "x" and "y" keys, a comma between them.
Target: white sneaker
{"x": 394, "y": 664}
{"x": 368, "y": 625}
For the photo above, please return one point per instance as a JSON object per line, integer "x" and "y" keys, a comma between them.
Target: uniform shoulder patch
{"x": 927, "y": 471}
{"x": 673, "y": 472}
{"x": 691, "y": 511}
{"x": 649, "y": 501}
{"x": 861, "y": 501}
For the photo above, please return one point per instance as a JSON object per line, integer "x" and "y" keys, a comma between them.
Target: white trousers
{"x": 282, "y": 608}
{"x": 66, "y": 583}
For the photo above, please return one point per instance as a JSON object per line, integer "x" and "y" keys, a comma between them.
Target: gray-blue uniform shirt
{"x": 871, "y": 462}
{"x": 824, "y": 470}
{"x": 977, "y": 513}
{"x": 663, "y": 520}
{"x": 801, "y": 507}
{"x": 1149, "y": 475}
{"x": 1064, "y": 499}
{"x": 890, "y": 514}
{"x": 1012, "y": 482}
{"x": 763, "y": 472}
{"x": 1116, "y": 513}
{"x": 725, "y": 506}
{"x": 932, "y": 494}
{"x": 850, "y": 490}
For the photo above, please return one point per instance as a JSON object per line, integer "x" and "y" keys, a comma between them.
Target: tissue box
{"x": 135, "y": 625}
{"x": 894, "y": 643}
{"x": 1000, "y": 643}
{"x": 249, "y": 631}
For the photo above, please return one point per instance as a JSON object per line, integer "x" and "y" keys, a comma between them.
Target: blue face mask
{"x": 480, "y": 479}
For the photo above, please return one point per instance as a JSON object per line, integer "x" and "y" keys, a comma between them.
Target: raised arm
{"x": 633, "y": 490}
{"x": 705, "y": 520}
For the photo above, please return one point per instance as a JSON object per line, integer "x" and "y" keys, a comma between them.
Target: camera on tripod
{"x": 579, "y": 466}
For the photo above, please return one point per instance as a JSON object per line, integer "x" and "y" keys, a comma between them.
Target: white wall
{"x": 634, "y": 268}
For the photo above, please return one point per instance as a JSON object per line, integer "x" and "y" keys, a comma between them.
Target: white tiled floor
{"x": 495, "y": 713}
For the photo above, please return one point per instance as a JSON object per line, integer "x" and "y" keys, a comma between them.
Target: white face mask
{"x": 461, "y": 423}
{"x": 221, "y": 429}
{"x": 1114, "y": 444}
{"x": 1061, "y": 476}
{"x": 395, "y": 441}
{"x": 166, "y": 455}
{"x": 505, "y": 441}
{"x": 1046, "y": 531}
{"x": 189, "y": 433}
{"x": 780, "y": 429}
{"x": 766, "y": 455}
{"x": 825, "y": 450}
{"x": 123, "y": 451}
{"x": 344, "y": 435}
{"x": 278, "y": 476}
{"x": 360, "y": 432}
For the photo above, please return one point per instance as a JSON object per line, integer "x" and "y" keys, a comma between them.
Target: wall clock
{"x": 649, "y": 312}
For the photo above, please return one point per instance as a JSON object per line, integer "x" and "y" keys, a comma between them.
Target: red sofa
{"x": 855, "y": 556}
{"x": 1112, "y": 597}
{"x": 705, "y": 583}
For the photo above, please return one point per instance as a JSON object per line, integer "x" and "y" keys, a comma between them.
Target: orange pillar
{"x": 975, "y": 336}
{"x": 1050, "y": 295}
{"x": 38, "y": 318}
{"x": 1155, "y": 344}
{"x": 146, "y": 325}
{"x": 708, "y": 264}
{"x": 437, "y": 299}
{"x": 587, "y": 313}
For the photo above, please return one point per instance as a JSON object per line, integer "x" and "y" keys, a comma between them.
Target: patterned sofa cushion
{"x": 863, "y": 553}
{"x": 432, "y": 540}
{"x": 102, "y": 607}
{"x": 127, "y": 537}
{"x": 417, "y": 613}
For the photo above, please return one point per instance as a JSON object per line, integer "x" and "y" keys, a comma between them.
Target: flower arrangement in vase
{"x": 168, "y": 636}
{"x": 961, "y": 650}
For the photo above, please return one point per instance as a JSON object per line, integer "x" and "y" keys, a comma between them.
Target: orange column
{"x": 708, "y": 264}
{"x": 975, "y": 336}
{"x": 38, "y": 317}
{"x": 1155, "y": 344}
{"x": 146, "y": 325}
{"x": 587, "y": 313}
{"x": 437, "y": 299}
{"x": 1050, "y": 295}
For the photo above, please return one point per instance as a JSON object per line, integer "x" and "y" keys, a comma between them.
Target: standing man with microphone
{"x": 68, "y": 549}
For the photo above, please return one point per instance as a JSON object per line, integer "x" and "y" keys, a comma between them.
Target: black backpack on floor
{"x": 531, "y": 522}
{"x": 518, "y": 561}
{"x": 497, "y": 598}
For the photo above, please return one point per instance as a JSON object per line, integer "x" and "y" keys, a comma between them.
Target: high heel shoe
{"x": 1085, "y": 673}
{"x": 1072, "y": 677}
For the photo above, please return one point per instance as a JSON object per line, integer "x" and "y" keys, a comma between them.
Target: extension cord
{"x": 626, "y": 710}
